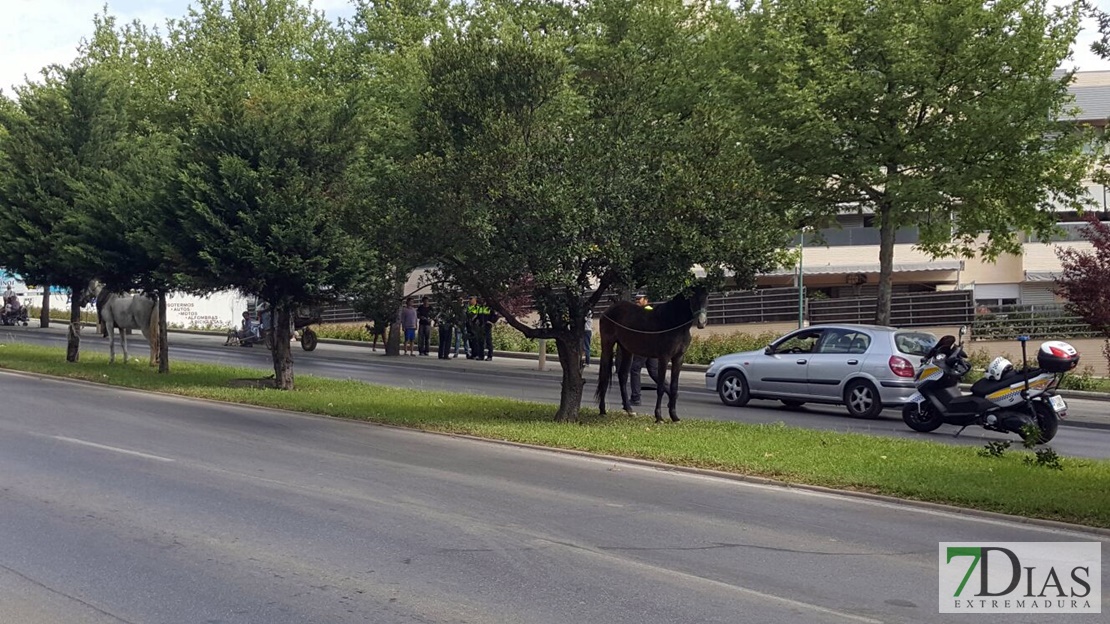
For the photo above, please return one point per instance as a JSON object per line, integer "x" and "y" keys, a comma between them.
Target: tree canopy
{"x": 571, "y": 152}
{"x": 942, "y": 115}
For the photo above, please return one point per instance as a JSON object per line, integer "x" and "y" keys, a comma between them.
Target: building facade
{"x": 843, "y": 262}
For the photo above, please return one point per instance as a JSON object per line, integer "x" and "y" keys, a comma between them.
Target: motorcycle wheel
{"x": 925, "y": 420}
{"x": 1047, "y": 423}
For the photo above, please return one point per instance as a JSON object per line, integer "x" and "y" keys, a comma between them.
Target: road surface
{"x": 116, "y": 506}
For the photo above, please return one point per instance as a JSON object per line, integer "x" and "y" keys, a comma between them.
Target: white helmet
{"x": 998, "y": 368}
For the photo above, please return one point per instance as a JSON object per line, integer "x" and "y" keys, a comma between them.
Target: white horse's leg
{"x": 111, "y": 345}
{"x": 123, "y": 344}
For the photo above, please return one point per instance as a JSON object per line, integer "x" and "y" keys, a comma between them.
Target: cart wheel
{"x": 308, "y": 339}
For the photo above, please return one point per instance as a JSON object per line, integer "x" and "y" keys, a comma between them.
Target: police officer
{"x": 474, "y": 322}
{"x": 638, "y": 361}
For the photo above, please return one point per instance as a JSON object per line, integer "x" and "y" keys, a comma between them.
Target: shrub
{"x": 342, "y": 331}
{"x": 704, "y": 350}
{"x": 1084, "y": 381}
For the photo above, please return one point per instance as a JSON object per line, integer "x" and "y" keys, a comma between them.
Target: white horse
{"x": 126, "y": 312}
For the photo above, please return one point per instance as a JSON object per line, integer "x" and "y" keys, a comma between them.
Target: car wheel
{"x": 792, "y": 403}
{"x": 733, "y": 389}
{"x": 862, "y": 399}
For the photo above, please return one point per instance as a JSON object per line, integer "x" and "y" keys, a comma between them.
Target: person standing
{"x": 639, "y": 361}
{"x": 266, "y": 324}
{"x": 446, "y": 323}
{"x": 408, "y": 326}
{"x": 424, "y": 330}
{"x": 474, "y": 322}
{"x": 462, "y": 334}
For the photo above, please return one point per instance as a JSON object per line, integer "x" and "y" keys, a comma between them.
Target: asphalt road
{"x": 117, "y": 506}
{"x": 502, "y": 378}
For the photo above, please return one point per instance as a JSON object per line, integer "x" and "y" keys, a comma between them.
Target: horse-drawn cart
{"x": 302, "y": 318}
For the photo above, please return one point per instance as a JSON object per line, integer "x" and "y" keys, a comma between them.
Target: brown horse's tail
{"x": 605, "y": 375}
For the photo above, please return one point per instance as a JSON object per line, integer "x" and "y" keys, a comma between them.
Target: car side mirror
{"x": 963, "y": 330}
{"x": 768, "y": 351}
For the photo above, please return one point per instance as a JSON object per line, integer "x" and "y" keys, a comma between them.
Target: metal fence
{"x": 341, "y": 312}
{"x": 929, "y": 309}
{"x": 1039, "y": 322}
{"x": 910, "y": 310}
{"x": 766, "y": 305}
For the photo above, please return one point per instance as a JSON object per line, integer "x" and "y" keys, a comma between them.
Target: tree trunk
{"x": 886, "y": 262}
{"x": 44, "y": 313}
{"x": 393, "y": 339}
{"x": 570, "y": 350}
{"x": 283, "y": 357}
{"x": 73, "y": 342}
{"x": 163, "y": 335}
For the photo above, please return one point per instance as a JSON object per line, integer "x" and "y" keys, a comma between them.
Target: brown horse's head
{"x": 699, "y": 298}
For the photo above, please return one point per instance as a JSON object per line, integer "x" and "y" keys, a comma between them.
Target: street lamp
{"x": 801, "y": 279}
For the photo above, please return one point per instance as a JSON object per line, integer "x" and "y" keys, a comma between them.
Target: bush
{"x": 87, "y": 316}
{"x": 704, "y": 350}
{"x": 701, "y": 351}
{"x": 1084, "y": 381}
{"x": 342, "y": 331}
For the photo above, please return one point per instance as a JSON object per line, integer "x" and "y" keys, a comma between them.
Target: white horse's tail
{"x": 155, "y": 334}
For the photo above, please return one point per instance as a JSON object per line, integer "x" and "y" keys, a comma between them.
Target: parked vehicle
{"x": 863, "y": 367}
{"x": 14, "y": 313}
{"x": 1008, "y": 400}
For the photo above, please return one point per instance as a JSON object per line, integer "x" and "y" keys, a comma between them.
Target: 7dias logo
{"x": 1021, "y": 577}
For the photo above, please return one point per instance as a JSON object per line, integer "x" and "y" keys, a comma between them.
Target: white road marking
{"x": 113, "y": 448}
{"x": 754, "y": 593}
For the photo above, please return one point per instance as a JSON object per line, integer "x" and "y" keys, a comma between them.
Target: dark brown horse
{"x": 662, "y": 333}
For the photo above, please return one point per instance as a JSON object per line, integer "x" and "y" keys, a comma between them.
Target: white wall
{"x": 221, "y": 309}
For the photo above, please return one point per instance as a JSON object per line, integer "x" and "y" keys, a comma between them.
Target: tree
{"x": 388, "y": 40}
{"x": 1100, "y": 46}
{"x": 941, "y": 115}
{"x": 65, "y": 147}
{"x": 265, "y": 192}
{"x": 137, "y": 63}
{"x": 1085, "y": 279}
{"x": 576, "y": 151}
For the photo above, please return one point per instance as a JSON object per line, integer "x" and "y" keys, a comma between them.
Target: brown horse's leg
{"x": 661, "y": 373}
{"x": 676, "y": 365}
{"x": 605, "y": 372}
{"x": 623, "y": 369}
{"x": 657, "y": 370}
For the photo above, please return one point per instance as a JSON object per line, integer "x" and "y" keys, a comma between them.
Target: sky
{"x": 36, "y": 33}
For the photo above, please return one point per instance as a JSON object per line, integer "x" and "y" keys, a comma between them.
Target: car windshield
{"x": 914, "y": 343}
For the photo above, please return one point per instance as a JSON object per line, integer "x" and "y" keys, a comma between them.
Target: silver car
{"x": 864, "y": 367}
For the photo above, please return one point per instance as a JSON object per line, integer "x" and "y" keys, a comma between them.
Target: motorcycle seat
{"x": 985, "y": 386}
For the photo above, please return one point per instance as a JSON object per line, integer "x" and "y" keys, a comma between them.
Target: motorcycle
{"x": 1023, "y": 402}
{"x": 14, "y": 316}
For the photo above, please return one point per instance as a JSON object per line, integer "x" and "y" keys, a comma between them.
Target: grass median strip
{"x": 912, "y": 469}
